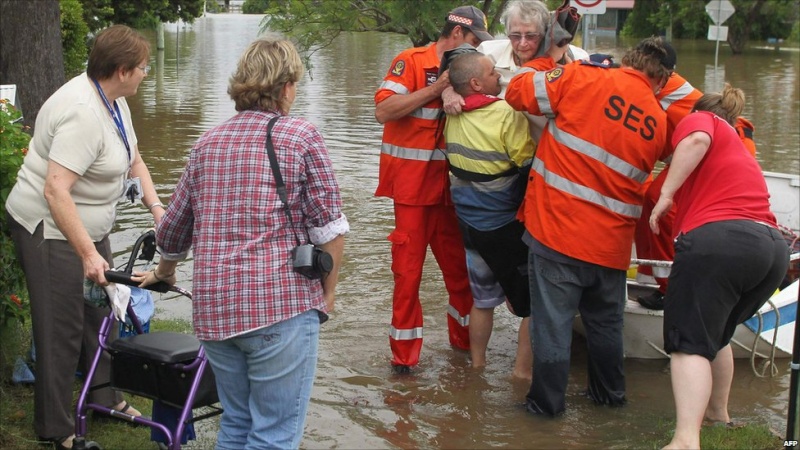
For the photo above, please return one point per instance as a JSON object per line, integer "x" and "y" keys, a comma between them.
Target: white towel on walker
{"x": 120, "y": 295}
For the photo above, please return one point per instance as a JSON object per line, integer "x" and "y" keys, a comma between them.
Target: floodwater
{"x": 357, "y": 402}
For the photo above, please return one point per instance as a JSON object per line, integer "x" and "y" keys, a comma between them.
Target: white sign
{"x": 719, "y": 11}
{"x": 589, "y": 6}
{"x": 716, "y": 33}
{"x": 9, "y": 92}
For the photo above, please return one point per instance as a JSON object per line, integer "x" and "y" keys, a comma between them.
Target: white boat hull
{"x": 643, "y": 327}
{"x": 643, "y": 335}
{"x": 784, "y": 198}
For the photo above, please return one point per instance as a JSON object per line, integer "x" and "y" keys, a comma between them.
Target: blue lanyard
{"x": 117, "y": 119}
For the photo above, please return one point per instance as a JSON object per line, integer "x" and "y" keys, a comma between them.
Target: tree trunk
{"x": 30, "y": 52}
{"x": 738, "y": 36}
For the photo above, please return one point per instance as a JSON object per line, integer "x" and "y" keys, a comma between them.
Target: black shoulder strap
{"x": 276, "y": 172}
{"x": 273, "y": 162}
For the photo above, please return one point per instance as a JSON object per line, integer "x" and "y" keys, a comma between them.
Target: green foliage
{"x": 213, "y": 7}
{"x": 752, "y": 19}
{"x": 315, "y": 23}
{"x": 639, "y": 23}
{"x": 99, "y": 14}
{"x": 13, "y": 147}
{"x": 794, "y": 36}
{"x": 774, "y": 19}
{"x": 255, "y": 6}
{"x": 74, "y": 32}
{"x": 687, "y": 18}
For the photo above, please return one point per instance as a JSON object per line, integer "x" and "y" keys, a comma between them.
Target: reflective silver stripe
{"x": 412, "y": 153}
{"x": 420, "y": 113}
{"x": 523, "y": 70}
{"x": 661, "y": 272}
{"x": 405, "y": 335}
{"x": 676, "y": 95}
{"x": 426, "y": 113}
{"x": 476, "y": 155}
{"x": 463, "y": 321}
{"x": 614, "y": 163}
{"x": 542, "y": 99}
{"x": 586, "y": 193}
{"x": 394, "y": 86}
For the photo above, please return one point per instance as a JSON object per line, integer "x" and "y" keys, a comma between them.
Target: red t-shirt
{"x": 727, "y": 184}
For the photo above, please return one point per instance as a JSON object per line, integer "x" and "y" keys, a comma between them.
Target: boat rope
{"x": 770, "y": 362}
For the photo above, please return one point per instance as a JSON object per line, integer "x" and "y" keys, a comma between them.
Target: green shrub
{"x": 255, "y": 6}
{"x": 794, "y": 36}
{"x": 73, "y": 37}
{"x": 14, "y": 305}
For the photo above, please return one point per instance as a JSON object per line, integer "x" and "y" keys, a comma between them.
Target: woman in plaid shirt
{"x": 257, "y": 318}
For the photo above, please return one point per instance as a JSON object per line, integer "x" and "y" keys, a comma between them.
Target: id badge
{"x": 133, "y": 189}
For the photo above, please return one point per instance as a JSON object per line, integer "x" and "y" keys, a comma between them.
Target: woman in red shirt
{"x": 729, "y": 257}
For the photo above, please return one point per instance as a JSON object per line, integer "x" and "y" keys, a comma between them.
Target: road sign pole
{"x": 585, "y": 33}
{"x": 719, "y": 11}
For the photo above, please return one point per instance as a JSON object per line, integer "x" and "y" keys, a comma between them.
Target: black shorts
{"x": 722, "y": 274}
{"x": 507, "y": 257}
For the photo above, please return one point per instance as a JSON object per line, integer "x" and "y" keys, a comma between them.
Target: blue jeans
{"x": 559, "y": 291}
{"x": 264, "y": 381}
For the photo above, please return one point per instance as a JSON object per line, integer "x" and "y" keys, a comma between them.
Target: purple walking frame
{"x": 165, "y": 366}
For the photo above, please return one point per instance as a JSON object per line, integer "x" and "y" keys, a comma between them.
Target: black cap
{"x": 471, "y": 18}
{"x": 602, "y": 58}
{"x": 671, "y": 60}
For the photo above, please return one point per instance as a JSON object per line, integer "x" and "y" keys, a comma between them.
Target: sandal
{"x": 125, "y": 407}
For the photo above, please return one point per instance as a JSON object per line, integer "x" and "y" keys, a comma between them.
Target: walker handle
{"x": 115, "y": 276}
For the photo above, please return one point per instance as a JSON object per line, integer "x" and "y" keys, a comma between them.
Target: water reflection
{"x": 357, "y": 402}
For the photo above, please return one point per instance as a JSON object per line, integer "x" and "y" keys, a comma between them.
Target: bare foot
{"x": 522, "y": 374}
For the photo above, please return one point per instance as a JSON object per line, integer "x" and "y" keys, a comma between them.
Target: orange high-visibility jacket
{"x": 413, "y": 168}
{"x": 605, "y": 133}
{"x": 677, "y": 98}
{"x": 744, "y": 128}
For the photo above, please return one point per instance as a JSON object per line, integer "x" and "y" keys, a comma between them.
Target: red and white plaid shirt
{"x": 226, "y": 208}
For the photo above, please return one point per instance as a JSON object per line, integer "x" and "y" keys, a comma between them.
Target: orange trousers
{"x": 650, "y": 245}
{"x": 416, "y": 228}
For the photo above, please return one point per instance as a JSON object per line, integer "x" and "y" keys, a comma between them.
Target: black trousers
{"x": 723, "y": 273}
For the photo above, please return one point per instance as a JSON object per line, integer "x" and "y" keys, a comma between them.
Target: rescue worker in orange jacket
{"x": 413, "y": 172}
{"x": 584, "y": 194}
{"x": 677, "y": 98}
{"x": 745, "y": 129}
